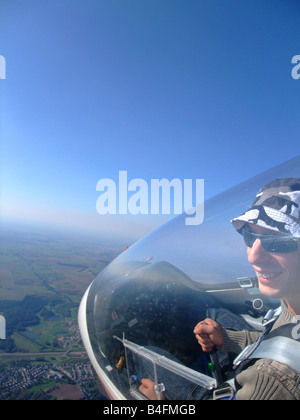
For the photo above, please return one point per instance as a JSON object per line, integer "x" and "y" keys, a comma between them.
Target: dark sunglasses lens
{"x": 280, "y": 245}
{"x": 271, "y": 243}
{"x": 249, "y": 238}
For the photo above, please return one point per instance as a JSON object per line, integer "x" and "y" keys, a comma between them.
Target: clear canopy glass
{"x": 142, "y": 309}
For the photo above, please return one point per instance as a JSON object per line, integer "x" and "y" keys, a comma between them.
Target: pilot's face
{"x": 278, "y": 274}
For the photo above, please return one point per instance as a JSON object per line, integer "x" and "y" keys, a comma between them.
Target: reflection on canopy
{"x": 142, "y": 309}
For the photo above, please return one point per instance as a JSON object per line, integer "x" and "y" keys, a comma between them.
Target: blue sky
{"x": 158, "y": 88}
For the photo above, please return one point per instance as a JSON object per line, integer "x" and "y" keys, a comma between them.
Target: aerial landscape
{"x": 116, "y": 117}
{"x": 43, "y": 277}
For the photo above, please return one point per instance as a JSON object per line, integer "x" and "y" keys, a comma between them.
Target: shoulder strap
{"x": 282, "y": 349}
{"x": 281, "y": 344}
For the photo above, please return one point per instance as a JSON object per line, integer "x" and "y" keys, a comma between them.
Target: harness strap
{"x": 282, "y": 349}
{"x": 282, "y": 345}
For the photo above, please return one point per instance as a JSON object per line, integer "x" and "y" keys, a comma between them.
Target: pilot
{"x": 271, "y": 230}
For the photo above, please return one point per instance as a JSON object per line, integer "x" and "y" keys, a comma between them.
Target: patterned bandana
{"x": 276, "y": 207}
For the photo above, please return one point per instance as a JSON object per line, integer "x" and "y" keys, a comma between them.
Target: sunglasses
{"x": 280, "y": 244}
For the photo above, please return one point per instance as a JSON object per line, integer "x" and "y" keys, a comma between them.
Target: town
{"x": 56, "y": 374}
{"x": 37, "y": 380}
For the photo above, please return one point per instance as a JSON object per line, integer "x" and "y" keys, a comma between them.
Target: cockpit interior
{"x": 137, "y": 317}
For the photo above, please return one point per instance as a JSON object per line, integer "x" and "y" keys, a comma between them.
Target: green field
{"x": 43, "y": 276}
{"x": 42, "y": 264}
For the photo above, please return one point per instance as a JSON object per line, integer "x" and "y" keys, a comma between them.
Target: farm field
{"x": 43, "y": 276}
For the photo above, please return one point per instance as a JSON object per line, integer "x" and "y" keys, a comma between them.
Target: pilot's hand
{"x": 209, "y": 335}
{"x": 147, "y": 388}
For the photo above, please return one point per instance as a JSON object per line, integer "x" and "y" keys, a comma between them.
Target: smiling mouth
{"x": 267, "y": 276}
